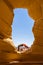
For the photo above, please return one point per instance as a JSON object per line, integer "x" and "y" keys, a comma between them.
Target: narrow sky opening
{"x": 22, "y": 27}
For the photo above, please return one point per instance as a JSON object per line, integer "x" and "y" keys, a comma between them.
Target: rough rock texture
{"x": 38, "y": 34}
{"x": 6, "y": 17}
{"x": 35, "y": 8}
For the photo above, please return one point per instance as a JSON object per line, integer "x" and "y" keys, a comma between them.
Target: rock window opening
{"x": 22, "y": 29}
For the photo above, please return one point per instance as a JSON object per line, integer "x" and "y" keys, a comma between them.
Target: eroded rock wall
{"x": 36, "y": 12}
{"x": 6, "y": 17}
{"x": 37, "y": 46}
{"x": 35, "y": 8}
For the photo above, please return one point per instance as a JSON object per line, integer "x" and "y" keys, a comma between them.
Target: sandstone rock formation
{"x": 35, "y": 8}
{"x": 6, "y": 17}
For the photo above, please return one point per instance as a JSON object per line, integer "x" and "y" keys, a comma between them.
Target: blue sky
{"x": 22, "y": 27}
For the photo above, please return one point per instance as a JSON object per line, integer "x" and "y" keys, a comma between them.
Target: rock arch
{"x": 35, "y": 8}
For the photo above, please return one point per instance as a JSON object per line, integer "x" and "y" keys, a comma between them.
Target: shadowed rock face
{"x": 35, "y": 8}
{"x": 38, "y": 34}
{"x": 6, "y": 17}
{"x": 6, "y": 43}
